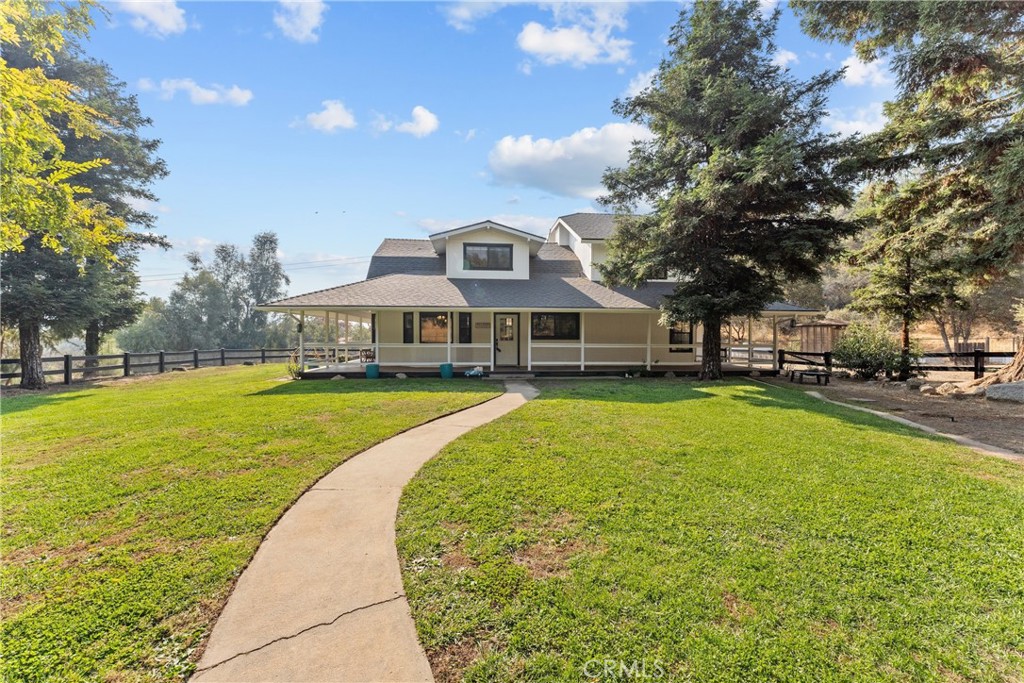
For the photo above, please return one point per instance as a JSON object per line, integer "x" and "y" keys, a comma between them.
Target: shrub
{"x": 867, "y": 350}
{"x": 292, "y": 366}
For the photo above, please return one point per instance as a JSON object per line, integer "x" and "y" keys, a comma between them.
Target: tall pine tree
{"x": 740, "y": 178}
{"x": 956, "y": 124}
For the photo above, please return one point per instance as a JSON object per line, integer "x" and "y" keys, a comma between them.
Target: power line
{"x": 325, "y": 263}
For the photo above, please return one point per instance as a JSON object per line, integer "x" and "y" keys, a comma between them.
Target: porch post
{"x": 494, "y": 336}
{"x": 750, "y": 341}
{"x": 583, "y": 340}
{"x": 348, "y": 335}
{"x": 529, "y": 341}
{"x": 648, "y": 341}
{"x": 775, "y": 343}
{"x": 376, "y": 337}
{"x": 448, "y": 337}
{"x": 302, "y": 341}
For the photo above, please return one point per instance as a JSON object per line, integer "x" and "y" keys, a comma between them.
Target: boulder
{"x": 755, "y": 373}
{"x": 1010, "y": 391}
{"x": 947, "y": 388}
{"x": 915, "y": 382}
{"x": 337, "y": 377}
{"x": 927, "y": 389}
{"x": 402, "y": 375}
{"x": 670, "y": 374}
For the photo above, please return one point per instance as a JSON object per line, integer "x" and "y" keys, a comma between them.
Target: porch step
{"x": 511, "y": 375}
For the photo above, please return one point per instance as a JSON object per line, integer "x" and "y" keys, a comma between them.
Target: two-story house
{"x": 492, "y": 296}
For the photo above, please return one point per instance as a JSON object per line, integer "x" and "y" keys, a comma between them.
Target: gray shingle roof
{"x": 591, "y": 226}
{"x": 405, "y": 256}
{"x": 542, "y": 291}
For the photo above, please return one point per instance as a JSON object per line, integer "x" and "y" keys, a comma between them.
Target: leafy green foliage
{"x": 868, "y": 350}
{"x": 37, "y": 197}
{"x": 731, "y": 532}
{"x": 130, "y": 509}
{"x": 741, "y": 179}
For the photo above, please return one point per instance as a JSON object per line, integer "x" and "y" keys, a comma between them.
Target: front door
{"x": 506, "y": 339}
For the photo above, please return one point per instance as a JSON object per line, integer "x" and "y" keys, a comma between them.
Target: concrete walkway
{"x": 322, "y": 599}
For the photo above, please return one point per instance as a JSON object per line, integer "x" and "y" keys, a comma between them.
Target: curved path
{"x": 322, "y": 599}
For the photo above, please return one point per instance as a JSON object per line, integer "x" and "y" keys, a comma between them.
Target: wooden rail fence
{"x": 976, "y": 359}
{"x": 152, "y": 362}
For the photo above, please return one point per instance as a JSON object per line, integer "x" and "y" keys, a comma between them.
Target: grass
{"x": 130, "y": 509}
{"x": 720, "y": 532}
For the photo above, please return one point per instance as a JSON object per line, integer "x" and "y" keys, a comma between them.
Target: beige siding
{"x": 520, "y": 255}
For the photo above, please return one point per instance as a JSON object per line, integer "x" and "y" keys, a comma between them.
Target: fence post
{"x": 782, "y": 360}
{"x": 979, "y": 364}
{"x": 160, "y": 362}
{"x": 127, "y": 363}
{"x": 828, "y": 361}
{"x": 263, "y": 355}
{"x": 67, "y": 369}
{"x": 223, "y": 360}
{"x": 195, "y": 358}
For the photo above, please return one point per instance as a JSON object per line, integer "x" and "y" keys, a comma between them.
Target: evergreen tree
{"x": 740, "y": 177}
{"x": 957, "y": 123}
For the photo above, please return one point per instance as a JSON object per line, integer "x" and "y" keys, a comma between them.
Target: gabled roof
{"x": 405, "y": 256}
{"x": 590, "y": 226}
{"x": 439, "y": 239}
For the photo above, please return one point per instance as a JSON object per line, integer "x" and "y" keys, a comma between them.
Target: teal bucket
{"x": 372, "y": 371}
{"x": 447, "y": 371}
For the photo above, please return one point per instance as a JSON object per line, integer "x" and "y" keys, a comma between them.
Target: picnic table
{"x": 818, "y": 375}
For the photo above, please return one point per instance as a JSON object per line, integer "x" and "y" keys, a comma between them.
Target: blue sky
{"x": 339, "y": 124}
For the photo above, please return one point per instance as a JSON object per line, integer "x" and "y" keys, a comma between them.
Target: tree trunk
{"x": 905, "y": 351}
{"x": 1014, "y": 372}
{"x": 92, "y": 347}
{"x": 711, "y": 362}
{"x": 32, "y": 376}
{"x": 943, "y": 332}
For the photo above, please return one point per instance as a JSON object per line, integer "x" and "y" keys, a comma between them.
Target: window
{"x": 555, "y": 325}
{"x": 680, "y": 333}
{"x": 373, "y": 328}
{"x": 407, "y": 328}
{"x": 487, "y": 257}
{"x": 465, "y": 328}
{"x": 433, "y": 328}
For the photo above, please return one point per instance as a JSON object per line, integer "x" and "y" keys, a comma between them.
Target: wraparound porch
{"x": 418, "y": 341}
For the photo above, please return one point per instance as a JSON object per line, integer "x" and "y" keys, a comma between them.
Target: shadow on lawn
{"x": 29, "y": 401}
{"x": 765, "y": 396}
{"x": 362, "y": 386}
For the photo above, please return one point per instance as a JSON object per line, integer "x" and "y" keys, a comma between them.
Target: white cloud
{"x": 766, "y": 7}
{"x": 463, "y": 15}
{"x": 864, "y": 120}
{"x": 640, "y": 82}
{"x": 197, "y": 94}
{"x": 300, "y": 20}
{"x": 582, "y": 35}
{"x": 423, "y": 123}
{"x": 571, "y": 166}
{"x": 865, "y": 73}
{"x": 160, "y": 18}
{"x": 538, "y": 225}
{"x": 333, "y": 116}
{"x": 147, "y": 205}
{"x": 783, "y": 58}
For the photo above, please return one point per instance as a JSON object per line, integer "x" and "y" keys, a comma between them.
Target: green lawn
{"x": 129, "y": 510}
{"x": 713, "y": 532}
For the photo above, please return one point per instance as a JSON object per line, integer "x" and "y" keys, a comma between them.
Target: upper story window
{"x": 487, "y": 257}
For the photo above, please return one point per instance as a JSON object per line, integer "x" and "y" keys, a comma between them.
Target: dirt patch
{"x": 736, "y": 607}
{"x": 449, "y": 662}
{"x": 996, "y": 423}
{"x": 548, "y": 559}
{"x": 457, "y": 560}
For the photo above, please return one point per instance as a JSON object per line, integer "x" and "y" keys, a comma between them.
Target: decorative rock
{"x": 755, "y": 373}
{"x": 337, "y": 377}
{"x": 669, "y": 374}
{"x": 1010, "y": 391}
{"x": 248, "y": 362}
{"x": 179, "y": 368}
{"x": 947, "y": 388}
{"x": 402, "y": 375}
{"x": 915, "y": 382}
{"x": 927, "y": 389}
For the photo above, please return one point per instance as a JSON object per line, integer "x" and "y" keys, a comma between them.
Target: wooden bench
{"x": 818, "y": 375}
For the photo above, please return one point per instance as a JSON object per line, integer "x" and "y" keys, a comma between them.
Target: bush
{"x": 867, "y": 350}
{"x": 292, "y": 366}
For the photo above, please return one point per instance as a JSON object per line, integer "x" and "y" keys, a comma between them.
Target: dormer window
{"x": 487, "y": 256}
